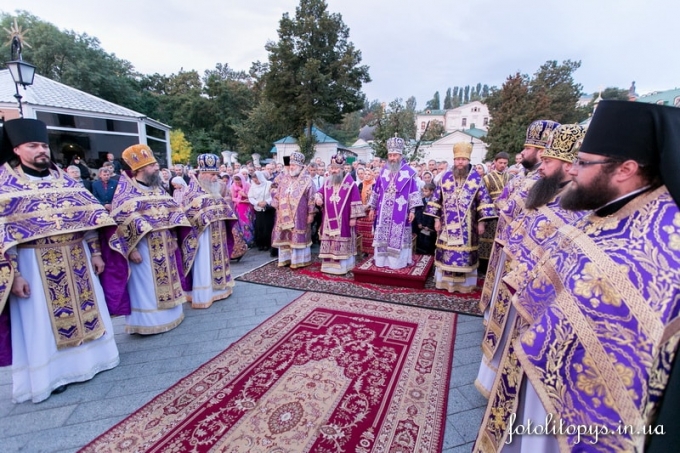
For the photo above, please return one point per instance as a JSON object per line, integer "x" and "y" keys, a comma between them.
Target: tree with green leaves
{"x": 455, "y": 100}
{"x": 74, "y": 59}
{"x": 433, "y": 104}
{"x": 434, "y": 130}
{"x": 397, "y": 118}
{"x": 609, "y": 93}
{"x": 510, "y": 111}
{"x": 466, "y": 96}
{"x": 448, "y": 104}
{"x": 314, "y": 71}
{"x": 550, "y": 94}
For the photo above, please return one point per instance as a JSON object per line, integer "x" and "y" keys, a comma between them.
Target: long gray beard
{"x": 544, "y": 190}
{"x": 212, "y": 187}
{"x": 295, "y": 173}
{"x": 338, "y": 178}
{"x": 394, "y": 166}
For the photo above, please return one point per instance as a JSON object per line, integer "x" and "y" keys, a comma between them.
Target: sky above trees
{"x": 411, "y": 50}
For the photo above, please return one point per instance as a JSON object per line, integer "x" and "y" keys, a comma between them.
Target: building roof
{"x": 668, "y": 97}
{"x": 48, "y": 93}
{"x": 319, "y": 136}
{"x": 432, "y": 112}
{"x": 474, "y": 132}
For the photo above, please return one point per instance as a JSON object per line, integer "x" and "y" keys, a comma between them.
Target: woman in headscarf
{"x": 244, "y": 210}
{"x": 179, "y": 189}
{"x": 365, "y": 224}
{"x": 260, "y": 197}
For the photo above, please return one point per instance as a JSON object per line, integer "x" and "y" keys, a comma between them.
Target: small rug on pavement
{"x": 409, "y": 277}
{"x": 311, "y": 278}
{"x": 324, "y": 374}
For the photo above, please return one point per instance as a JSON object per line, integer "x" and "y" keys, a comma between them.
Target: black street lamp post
{"x": 22, "y": 72}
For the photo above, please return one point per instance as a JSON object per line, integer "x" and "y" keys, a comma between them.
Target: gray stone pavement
{"x": 150, "y": 365}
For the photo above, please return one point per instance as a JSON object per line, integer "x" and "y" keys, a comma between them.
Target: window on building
{"x": 486, "y": 121}
{"x": 464, "y": 122}
{"x": 86, "y": 122}
{"x": 422, "y": 125}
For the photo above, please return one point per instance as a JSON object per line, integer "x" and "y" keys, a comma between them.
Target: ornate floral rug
{"x": 325, "y": 374}
{"x": 414, "y": 276}
{"x": 311, "y": 278}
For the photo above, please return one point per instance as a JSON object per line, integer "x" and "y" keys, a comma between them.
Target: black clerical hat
{"x": 25, "y": 130}
{"x": 286, "y": 161}
{"x": 646, "y": 133}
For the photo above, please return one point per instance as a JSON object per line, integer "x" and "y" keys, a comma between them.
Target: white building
{"x": 474, "y": 115}
{"x": 442, "y": 149}
{"x": 80, "y": 123}
{"x": 325, "y": 147}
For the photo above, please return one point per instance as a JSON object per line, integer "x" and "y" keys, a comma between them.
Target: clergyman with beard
{"x": 393, "y": 204}
{"x": 460, "y": 206}
{"x": 213, "y": 219}
{"x": 602, "y": 348}
{"x": 159, "y": 242}
{"x": 339, "y": 196}
{"x": 495, "y": 181}
{"x": 293, "y": 200}
{"x": 54, "y": 323}
{"x": 510, "y": 203}
{"x": 540, "y": 219}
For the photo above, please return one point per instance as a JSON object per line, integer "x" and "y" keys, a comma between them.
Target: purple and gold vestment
{"x": 293, "y": 200}
{"x": 211, "y": 214}
{"x": 601, "y": 325}
{"x": 52, "y": 217}
{"x": 146, "y": 213}
{"x": 509, "y": 204}
{"x": 394, "y": 196}
{"x": 340, "y": 204}
{"x": 460, "y": 205}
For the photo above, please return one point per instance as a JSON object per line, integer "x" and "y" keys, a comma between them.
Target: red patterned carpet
{"x": 414, "y": 276}
{"x": 311, "y": 278}
{"x": 325, "y": 374}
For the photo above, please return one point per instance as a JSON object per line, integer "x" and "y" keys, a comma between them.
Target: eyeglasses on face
{"x": 585, "y": 163}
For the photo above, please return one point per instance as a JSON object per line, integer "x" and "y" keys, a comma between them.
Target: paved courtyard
{"x": 150, "y": 365}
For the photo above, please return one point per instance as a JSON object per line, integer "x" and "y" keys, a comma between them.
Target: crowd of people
{"x": 578, "y": 242}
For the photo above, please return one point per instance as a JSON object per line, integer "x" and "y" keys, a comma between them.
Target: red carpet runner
{"x": 325, "y": 374}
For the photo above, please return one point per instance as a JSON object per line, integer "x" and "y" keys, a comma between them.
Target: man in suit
{"x": 104, "y": 188}
{"x": 74, "y": 172}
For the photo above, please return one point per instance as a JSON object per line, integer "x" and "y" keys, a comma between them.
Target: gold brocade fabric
{"x": 219, "y": 257}
{"x": 32, "y": 208}
{"x": 166, "y": 278}
{"x": 69, "y": 290}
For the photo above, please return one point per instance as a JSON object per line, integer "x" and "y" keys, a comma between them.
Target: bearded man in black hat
{"x": 61, "y": 330}
{"x": 606, "y": 290}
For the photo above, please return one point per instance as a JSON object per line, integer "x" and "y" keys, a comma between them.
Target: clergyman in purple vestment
{"x": 341, "y": 202}
{"x": 460, "y": 207}
{"x": 293, "y": 200}
{"x": 393, "y": 203}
